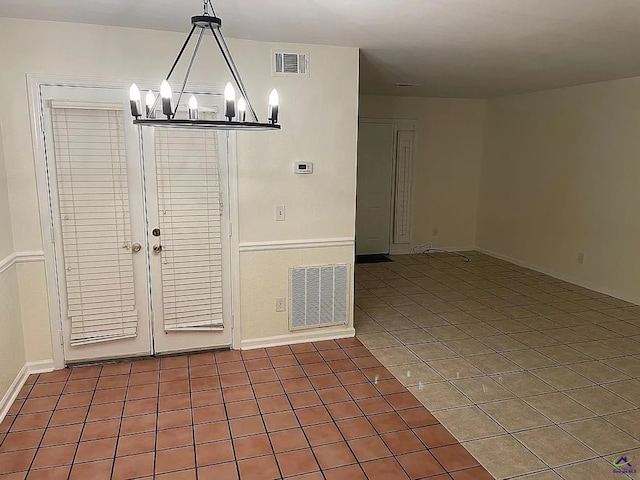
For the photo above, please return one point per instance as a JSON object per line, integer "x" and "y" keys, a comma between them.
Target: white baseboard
{"x": 562, "y": 276}
{"x": 29, "y": 368}
{"x": 297, "y": 337}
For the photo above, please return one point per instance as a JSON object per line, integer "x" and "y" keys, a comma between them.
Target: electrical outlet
{"x": 580, "y": 257}
{"x": 280, "y": 213}
{"x": 435, "y": 231}
{"x": 281, "y": 304}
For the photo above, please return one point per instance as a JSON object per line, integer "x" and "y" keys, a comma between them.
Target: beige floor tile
{"x": 628, "y": 389}
{"x": 559, "y": 408}
{"x": 601, "y": 436}
{"x": 437, "y": 396}
{"x": 530, "y": 359}
{"x": 488, "y": 315}
{"x": 378, "y": 340}
{"x": 628, "y": 422}
{"x": 503, "y": 343}
{"x": 563, "y": 354}
{"x": 597, "y": 350}
{"x": 394, "y": 324}
{"x": 469, "y": 346}
{"x": 596, "y": 469}
{"x": 524, "y": 384}
{"x": 413, "y": 336}
{"x": 482, "y": 389}
{"x": 459, "y": 318}
{"x": 415, "y": 373}
{"x": 534, "y": 339}
{"x": 509, "y": 326}
{"x": 627, "y": 345}
{"x": 455, "y": 368}
{"x": 628, "y": 365}
{"x": 598, "y": 372}
{"x": 545, "y": 475}
{"x": 468, "y": 423}
{"x": 566, "y": 335}
{"x": 504, "y": 456}
{"x": 599, "y": 400}
{"x": 480, "y": 329}
{"x": 493, "y": 363}
{"x": 562, "y": 378}
{"x": 432, "y": 351}
{"x": 428, "y": 320}
{"x": 554, "y": 446}
{"x": 395, "y": 356}
{"x": 515, "y": 415}
{"x": 446, "y": 332}
{"x": 367, "y": 326}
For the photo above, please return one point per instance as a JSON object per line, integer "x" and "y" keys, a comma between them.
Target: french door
{"x": 140, "y": 228}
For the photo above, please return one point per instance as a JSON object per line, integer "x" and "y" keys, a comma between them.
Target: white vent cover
{"x": 319, "y": 296}
{"x": 291, "y": 64}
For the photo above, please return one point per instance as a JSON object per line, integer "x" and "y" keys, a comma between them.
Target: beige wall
{"x": 12, "y": 355}
{"x": 449, "y": 140}
{"x": 318, "y": 114}
{"x": 561, "y": 174}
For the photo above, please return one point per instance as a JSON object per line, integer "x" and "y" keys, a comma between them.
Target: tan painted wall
{"x": 12, "y": 354}
{"x": 561, "y": 174}
{"x": 449, "y": 140}
{"x": 318, "y": 114}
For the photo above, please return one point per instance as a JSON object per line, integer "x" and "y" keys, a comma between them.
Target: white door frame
{"x": 35, "y": 83}
{"x": 398, "y": 124}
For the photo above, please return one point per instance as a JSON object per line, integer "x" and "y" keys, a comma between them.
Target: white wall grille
{"x": 189, "y": 201}
{"x": 290, "y": 64}
{"x": 319, "y": 296}
{"x": 91, "y": 177}
{"x": 404, "y": 156}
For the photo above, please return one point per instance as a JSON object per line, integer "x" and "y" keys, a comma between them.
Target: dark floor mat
{"x": 377, "y": 258}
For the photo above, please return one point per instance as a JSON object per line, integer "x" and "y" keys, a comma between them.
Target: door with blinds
{"x": 139, "y": 228}
{"x": 189, "y": 228}
{"x": 98, "y": 226}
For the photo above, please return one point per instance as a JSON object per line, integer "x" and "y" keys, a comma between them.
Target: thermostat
{"x": 304, "y": 167}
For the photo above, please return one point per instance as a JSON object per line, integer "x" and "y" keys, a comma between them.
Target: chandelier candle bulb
{"x": 150, "y": 100}
{"x": 167, "y": 101}
{"x": 193, "y": 108}
{"x": 242, "y": 109}
{"x": 274, "y": 101}
{"x": 134, "y": 100}
{"x": 229, "y": 101}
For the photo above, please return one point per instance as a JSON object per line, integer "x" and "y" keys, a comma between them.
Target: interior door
{"x": 98, "y": 227}
{"x": 375, "y": 177}
{"x": 186, "y": 186}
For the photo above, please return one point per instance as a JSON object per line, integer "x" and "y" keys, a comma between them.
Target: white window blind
{"x": 404, "y": 154}
{"x": 190, "y": 225}
{"x": 91, "y": 174}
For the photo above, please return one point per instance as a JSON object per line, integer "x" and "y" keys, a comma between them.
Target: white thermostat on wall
{"x": 304, "y": 167}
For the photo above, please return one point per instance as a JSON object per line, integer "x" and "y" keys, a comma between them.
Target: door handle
{"x": 157, "y": 248}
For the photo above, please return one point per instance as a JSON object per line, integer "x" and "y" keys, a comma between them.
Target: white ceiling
{"x": 455, "y": 48}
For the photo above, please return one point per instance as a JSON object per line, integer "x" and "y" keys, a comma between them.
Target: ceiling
{"x": 451, "y": 48}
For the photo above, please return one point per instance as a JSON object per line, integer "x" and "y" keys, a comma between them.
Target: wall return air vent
{"x": 319, "y": 296}
{"x": 290, "y": 64}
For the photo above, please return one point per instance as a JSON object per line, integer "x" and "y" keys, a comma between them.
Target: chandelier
{"x": 239, "y": 115}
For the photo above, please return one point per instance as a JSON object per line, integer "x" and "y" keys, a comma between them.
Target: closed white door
{"x": 140, "y": 223}
{"x": 186, "y": 173}
{"x": 375, "y": 177}
{"x": 98, "y": 224}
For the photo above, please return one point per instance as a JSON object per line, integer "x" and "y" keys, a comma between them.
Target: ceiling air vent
{"x": 291, "y": 64}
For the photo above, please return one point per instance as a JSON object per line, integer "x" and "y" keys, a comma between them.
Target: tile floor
{"x": 538, "y": 378}
{"x": 327, "y": 410}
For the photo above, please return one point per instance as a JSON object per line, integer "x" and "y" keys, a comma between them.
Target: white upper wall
{"x": 318, "y": 115}
{"x": 6, "y": 238}
{"x": 561, "y": 175}
{"x": 449, "y": 141}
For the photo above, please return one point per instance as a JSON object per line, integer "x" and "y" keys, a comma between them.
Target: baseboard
{"x": 299, "y": 337}
{"x": 561, "y": 276}
{"x": 29, "y": 368}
